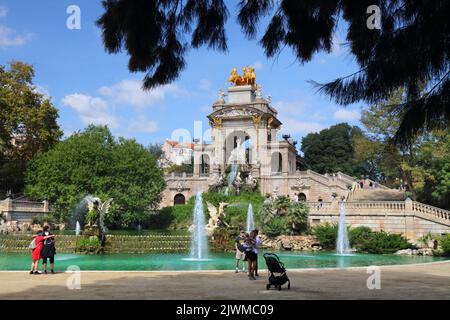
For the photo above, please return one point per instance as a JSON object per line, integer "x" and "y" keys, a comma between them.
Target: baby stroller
{"x": 275, "y": 266}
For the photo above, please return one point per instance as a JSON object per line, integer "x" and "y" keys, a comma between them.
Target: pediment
{"x": 236, "y": 112}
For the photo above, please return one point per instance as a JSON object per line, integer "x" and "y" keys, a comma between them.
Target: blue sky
{"x": 88, "y": 85}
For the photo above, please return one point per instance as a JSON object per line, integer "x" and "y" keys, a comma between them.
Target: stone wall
{"x": 403, "y": 217}
{"x": 22, "y": 211}
{"x": 297, "y": 243}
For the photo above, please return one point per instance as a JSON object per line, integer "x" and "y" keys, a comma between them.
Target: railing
{"x": 387, "y": 207}
{"x": 28, "y": 206}
{"x": 174, "y": 175}
{"x": 319, "y": 205}
{"x": 376, "y": 205}
{"x": 313, "y": 175}
{"x": 427, "y": 209}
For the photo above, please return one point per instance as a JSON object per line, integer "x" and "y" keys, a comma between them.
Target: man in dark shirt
{"x": 48, "y": 251}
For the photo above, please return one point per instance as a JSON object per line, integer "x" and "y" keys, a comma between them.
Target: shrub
{"x": 382, "y": 242}
{"x": 160, "y": 219}
{"x": 214, "y": 198}
{"x": 89, "y": 245}
{"x": 445, "y": 245}
{"x": 282, "y": 204}
{"x": 236, "y": 215}
{"x": 41, "y": 219}
{"x": 297, "y": 217}
{"x": 275, "y": 227}
{"x": 182, "y": 215}
{"x": 359, "y": 235}
{"x": 326, "y": 234}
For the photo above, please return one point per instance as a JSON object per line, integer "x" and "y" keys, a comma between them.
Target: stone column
{"x": 410, "y": 231}
{"x": 8, "y": 207}
{"x": 46, "y": 206}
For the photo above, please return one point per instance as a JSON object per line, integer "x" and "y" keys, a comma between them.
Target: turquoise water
{"x": 218, "y": 261}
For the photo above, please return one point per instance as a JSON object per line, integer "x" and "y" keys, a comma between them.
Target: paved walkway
{"x": 426, "y": 281}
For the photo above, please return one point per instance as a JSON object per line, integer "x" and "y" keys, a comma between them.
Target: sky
{"x": 88, "y": 85}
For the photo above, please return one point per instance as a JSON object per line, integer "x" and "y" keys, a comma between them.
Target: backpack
{"x": 32, "y": 245}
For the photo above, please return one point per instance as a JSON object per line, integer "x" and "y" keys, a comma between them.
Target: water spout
{"x": 342, "y": 244}
{"x": 231, "y": 176}
{"x": 250, "y": 222}
{"x": 77, "y": 228}
{"x": 199, "y": 243}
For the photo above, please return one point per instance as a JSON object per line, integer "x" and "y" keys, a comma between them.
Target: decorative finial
{"x": 258, "y": 92}
{"x": 221, "y": 97}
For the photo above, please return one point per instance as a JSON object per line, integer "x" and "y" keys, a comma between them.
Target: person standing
{"x": 250, "y": 255}
{"x": 48, "y": 251}
{"x": 37, "y": 250}
{"x": 257, "y": 244}
{"x": 240, "y": 251}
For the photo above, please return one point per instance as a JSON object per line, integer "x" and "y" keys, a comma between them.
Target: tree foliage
{"x": 420, "y": 165}
{"x": 28, "y": 124}
{"x": 93, "y": 162}
{"x": 332, "y": 150}
{"x": 410, "y": 47}
{"x": 283, "y": 216}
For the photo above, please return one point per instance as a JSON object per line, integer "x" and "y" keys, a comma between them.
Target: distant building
{"x": 176, "y": 153}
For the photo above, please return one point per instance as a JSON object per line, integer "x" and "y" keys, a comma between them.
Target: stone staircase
{"x": 377, "y": 195}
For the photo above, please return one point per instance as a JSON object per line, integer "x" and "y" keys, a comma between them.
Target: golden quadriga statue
{"x": 248, "y": 77}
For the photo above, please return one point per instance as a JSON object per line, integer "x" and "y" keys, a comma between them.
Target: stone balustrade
{"x": 29, "y": 206}
{"x": 430, "y": 210}
{"x": 380, "y": 208}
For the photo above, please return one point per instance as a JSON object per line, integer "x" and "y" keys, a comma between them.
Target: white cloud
{"x": 9, "y": 38}
{"x": 143, "y": 125}
{"x": 293, "y": 126}
{"x": 3, "y": 11}
{"x": 257, "y": 65}
{"x": 204, "y": 84}
{"x": 347, "y": 115}
{"x": 91, "y": 109}
{"x": 130, "y": 92}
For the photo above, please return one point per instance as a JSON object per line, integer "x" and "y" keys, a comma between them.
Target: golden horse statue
{"x": 248, "y": 77}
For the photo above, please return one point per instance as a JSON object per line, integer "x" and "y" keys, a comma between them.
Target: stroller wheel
{"x": 289, "y": 285}
{"x": 268, "y": 286}
{"x": 279, "y": 288}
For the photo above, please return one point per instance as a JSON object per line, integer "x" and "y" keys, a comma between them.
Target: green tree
{"x": 421, "y": 163}
{"x": 433, "y": 162}
{"x": 297, "y": 216}
{"x": 331, "y": 150}
{"x": 155, "y": 149}
{"x": 28, "y": 124}
{"x": 93, "y": 162}
{"x": 405, "y": 48}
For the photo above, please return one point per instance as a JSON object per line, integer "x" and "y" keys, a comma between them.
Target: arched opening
{"x": 204, "y": 165}
{"x": 276, "y": 162}
{"x": 238, "y": 148}
{"x": 301, "y": 196}
{"x": 179, "y": 199}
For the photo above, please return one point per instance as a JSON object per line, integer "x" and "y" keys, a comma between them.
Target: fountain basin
{"x": 216, "y": 261}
